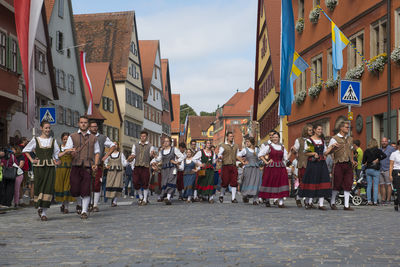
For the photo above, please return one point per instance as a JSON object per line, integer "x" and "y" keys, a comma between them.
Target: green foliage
{"x": 205, "y": 113}
{"x": 185, "y": 110}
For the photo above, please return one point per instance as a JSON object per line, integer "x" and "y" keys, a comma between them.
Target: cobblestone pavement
{"x": 201, "y": 234}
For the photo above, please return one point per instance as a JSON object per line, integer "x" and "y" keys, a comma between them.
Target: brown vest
{"x": 142, "y": 153}
{"x": 343, "y": 153}
{"x": 301, "y": 156}
{"x": 85, "y": 149}
{"x": 229, "y": 155}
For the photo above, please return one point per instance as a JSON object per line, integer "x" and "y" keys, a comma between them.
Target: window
{"x": 397, "y": 27}
{"x": 71, "y": 83}
{"x": 301, "y": 8}
{"x": 301, "y": 82}
{"x": 154, "y": 94}
{"x": 14, "y": 55}
{"x": 61, "y": 8}
{"x": 378, "y": 38}
{"x": 128, "y": 96}
{"x": 104, "y": 129}
{"x": 76, "y": 119}
{"x": 316, "y": 64}
{"x": 110, "y": 105}
{"x": 105, "y": 103}
{"x": 3, "y": 48}
{"x": 116, "y": 134}
{"x": 329, "y": 68}
{"x": 24, "y": 104}
{"x": 110, "y": 132}
{"x": 68, "y": 53}
{"x": 378, "y": 130}
{"x": 40, "y": 60}
{"x": 155, "y": 73}
{"x": 203, "y": 133}
{"x": 68, "y": 117}
{"x": 60, "y": 115}
{"x": 133, "y": 48}
{"x": 61, "y": 77}
{"x": 353, "y": 58}
{"x": 60, "y": 42}
{"x": 134, "y": 99}
{"x": 131, "y": 129}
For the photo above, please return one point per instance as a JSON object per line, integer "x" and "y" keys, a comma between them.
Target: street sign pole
{"x": 349, "y": 107}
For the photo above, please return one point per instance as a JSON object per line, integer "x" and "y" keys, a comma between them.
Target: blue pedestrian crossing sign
{"x": 350, "y": 93}
{"x": 48, "y": 114}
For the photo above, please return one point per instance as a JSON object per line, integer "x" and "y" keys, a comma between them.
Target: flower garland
{"x": 395, "y": 56}
{"x": 331, "y": 85}
{"x": 300, "y": 96}
{"x": 314, "y": 90}
{"x": 300, "y": 25}
{"x": 314, "y": 14}
{"x": 355, "y": 73}
{"x": 377, "y": 63}
{"x": 331, "y": 4}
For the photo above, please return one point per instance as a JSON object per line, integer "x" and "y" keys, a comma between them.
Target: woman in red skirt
{"x": 275, "y": 181}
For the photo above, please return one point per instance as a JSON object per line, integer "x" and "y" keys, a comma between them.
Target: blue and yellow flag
{"x": 339, "y": 42}
{"x": 287, "y": 51}
{"x": 299, "y": 66}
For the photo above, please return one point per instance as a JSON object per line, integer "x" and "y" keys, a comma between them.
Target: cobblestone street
{"x": 201, "y": 234}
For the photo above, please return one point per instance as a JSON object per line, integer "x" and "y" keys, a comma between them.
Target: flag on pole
{"x": 185, "y": 125}
{"x": 87, "y": 81}
{"x": 299, "y": 66}
{"x": 27, "y": 15}
{"x": 287, "y": 54}
{"x": 339, "y": 42}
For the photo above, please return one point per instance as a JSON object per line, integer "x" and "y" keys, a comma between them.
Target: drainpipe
{"x": 389, "y": 67}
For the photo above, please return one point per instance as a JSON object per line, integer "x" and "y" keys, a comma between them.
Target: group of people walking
{"x": 73, "y": 170}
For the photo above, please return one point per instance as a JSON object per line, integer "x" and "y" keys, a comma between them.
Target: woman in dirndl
{"x": 251, "y": 172}
{"x": 189, "y": 176}
{"x": 316, "y": 181}
{"x": 46, "y": 150}
{"x": 205, "y": 182}
{"x": 63, "y": 172}
{"x": 115, "y": 165}
{"x": 275, "y": 181}
{"x": 170, "y": 157}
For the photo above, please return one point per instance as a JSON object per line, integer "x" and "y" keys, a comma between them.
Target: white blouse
{"x": 395, "y": 157}
{"x": 267, "y": 149}
{"x": 243, "y": 152}
{"x": 178, "y": 153}
{"x": 197, "y": 156}
{"x": 114, "y": 155}
{"x": 317, "y": 142}
{"x": 44, "y": 142}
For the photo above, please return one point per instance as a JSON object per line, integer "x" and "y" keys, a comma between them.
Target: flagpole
{"x": 281, "y": 129}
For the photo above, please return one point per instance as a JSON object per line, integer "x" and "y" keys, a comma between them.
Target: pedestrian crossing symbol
{"x": 350, "y": 93}
{"x": 48, "y": 114}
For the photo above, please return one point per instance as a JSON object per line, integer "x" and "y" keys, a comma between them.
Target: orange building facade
{"x": 369, "y": 28}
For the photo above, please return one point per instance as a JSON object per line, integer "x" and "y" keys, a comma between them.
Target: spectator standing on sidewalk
{"x": 371, "y": 159}
{"x": 358, "y": 153}
{"x": 385, "y": 183}
{"x": 395, "y": 174}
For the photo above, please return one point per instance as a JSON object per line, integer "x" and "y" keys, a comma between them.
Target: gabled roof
{"x": 166, "y": 82}
{"x": 107, "y": 37}
{"x": 239, "y": 104}
{"x": 198, "y": 124}
{"x": 97, "y": 73}
{"x": 176, "y": 104}
{"x": 148, "y": 51}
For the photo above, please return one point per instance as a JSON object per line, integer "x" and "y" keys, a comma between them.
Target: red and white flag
{"x": 27, "y": 15}
{"x": 87, "y": 81}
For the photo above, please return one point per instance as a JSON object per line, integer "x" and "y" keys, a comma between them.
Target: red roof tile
{"x": 239, "y": 104}
{"x": 198, "y": 124}
{"x": 176, "y": 103}
{"x": 49, "y": 5}
{"x": 107, "y": 37}
{"x": 148, "y": 51}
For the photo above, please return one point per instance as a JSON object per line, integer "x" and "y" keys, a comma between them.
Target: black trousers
{"x": 396, "y": 186}
{"x": 6, "y": 192}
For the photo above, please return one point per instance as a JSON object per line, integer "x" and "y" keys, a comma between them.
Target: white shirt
{"x": 296, "y": 145}
{"x": 70, "y": 143}
{"x": 317, "y": 142}
{"x": 134, "y": 148}
{"x": 267, "y": 149}
{"x": 108, "y": 143}
{"x": 243, "y": 152}
{"x": 395, "y": 157}
{"x": 333, "y": 141}
{"x": 178, "y": 153}
{"x": 182, "y": 165}
{"x": 114, "y": 155}
{"x": 221, "y": 149}
{"x": 44, "y": 142}
{"x": 197, "y": 157}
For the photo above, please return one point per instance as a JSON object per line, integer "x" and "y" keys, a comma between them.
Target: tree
{"x": 186, "y": 110}
{"x": 205, "y": 113}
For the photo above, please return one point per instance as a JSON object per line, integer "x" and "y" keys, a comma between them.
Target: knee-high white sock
{"x": 321, "y": 201}
{"x": 139, "y": 192}
{"x": 115, "y": 200}
{"x": 346, "y": 198}
{"x": 234, "y": 193}
{"x": 169, "y": 196}
{"x": 146, "y": 194}
{"x": 333, "y": 199}
{"x": 158, "y": 197}
{"x": 44, "y": 211}
{"x": 222, "y": 193}
{"x": 310, "y": 201}
{"x": 66, "y": 204}
{"x": 195, "y": 194}
{"x": 211, "y": 197}
{"x": 280, "y": 201}
{"x": 85, "y": 204}
{"x": 189, "y": 198}
{"x": 79, "y": 201}
{"x": 297, "y": 197}
{"x": 96, "y": 198}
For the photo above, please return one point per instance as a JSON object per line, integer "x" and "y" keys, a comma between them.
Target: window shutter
{"x": 111, "y": 105}
{"x": 393, "y": 125}
{"x": 105, "y": 103}
{"x": 385, "y": 124}
{"x": 368, "y": 128}
{"x": 19, "y": 63}
{"x": 8, "y": 51}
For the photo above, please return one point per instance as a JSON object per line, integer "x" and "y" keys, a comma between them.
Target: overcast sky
{"x": 210, "y": 44}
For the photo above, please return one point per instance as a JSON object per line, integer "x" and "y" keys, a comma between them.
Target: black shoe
{"x": 168, "y": 202}
{"x": 267, "y": 204}
{"x": 396, "y": 207}
{"x": 245, "y": 199}
{"x": 234, "y": 201}
{"x": 78, "y": 209}
{"x": 221, "y": 199}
